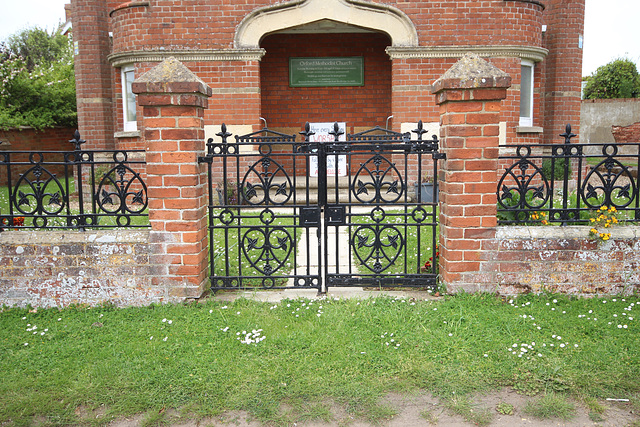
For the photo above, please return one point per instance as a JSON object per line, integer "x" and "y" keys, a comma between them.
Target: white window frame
{"x": 526, "y": 120}
{"x": 129, "y": 125}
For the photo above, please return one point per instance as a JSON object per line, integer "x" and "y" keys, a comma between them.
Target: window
{"x": 128, "y": 100}
{"x": 526, "y": 93}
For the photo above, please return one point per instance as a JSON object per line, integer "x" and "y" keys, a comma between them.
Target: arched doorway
{"x": 297, "y": 13}
{"x": 286, "y": 107}
{"x": 325, "y": 28}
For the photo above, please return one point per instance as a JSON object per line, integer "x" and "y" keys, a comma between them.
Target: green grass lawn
{"x": 291, "y": 361}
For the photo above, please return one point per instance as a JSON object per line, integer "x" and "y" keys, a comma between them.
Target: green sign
{"x": 326, "y": 71}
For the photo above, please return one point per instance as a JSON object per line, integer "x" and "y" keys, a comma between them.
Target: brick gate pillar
{"x": 173, "y": 101}
{"x": 469, "y": 95}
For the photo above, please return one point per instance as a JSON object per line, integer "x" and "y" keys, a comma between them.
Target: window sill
{"x": 127, "y": 134}
{"x": 529, "y": 129}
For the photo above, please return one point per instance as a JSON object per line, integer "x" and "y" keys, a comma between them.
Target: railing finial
{"x": 307, "y": 132}
{"x": 420, "y": 130}
{"x": 336, "y": 132}
{"x": 567, "y": 135}
{"x": 224, "y": 134}
{"x": 77, "y": 141}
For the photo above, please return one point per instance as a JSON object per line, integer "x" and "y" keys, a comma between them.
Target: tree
{"x": 617, "y": 79}
{"x": 37, "y": 81}
{"x": 37, "y": 47}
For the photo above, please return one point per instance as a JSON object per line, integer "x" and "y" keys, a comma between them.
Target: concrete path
{"x": 339, "y": 260}
{"x": 338, "y": 250}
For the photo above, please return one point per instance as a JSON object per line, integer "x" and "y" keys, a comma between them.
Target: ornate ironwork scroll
{"x": 567, "y": 182}
{"x": 48, "y": 189}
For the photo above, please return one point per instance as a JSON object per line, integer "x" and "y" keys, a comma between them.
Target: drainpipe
{"x": 388, "y": 118}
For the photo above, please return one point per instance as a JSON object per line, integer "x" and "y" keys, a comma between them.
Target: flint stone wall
{"x": 61, "y": 268}
{"x": 564, "y": 260}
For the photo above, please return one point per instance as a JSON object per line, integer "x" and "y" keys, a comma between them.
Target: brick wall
{"x": 365, "y": 106}
{"x": 27, "y": 139}
{"x": 475, "y": 254}
{"x": 166, "y": 263}
{"x": 599, "y": 118}
{"x": 169, "y": 261}
{"x": 212, "y": 24}
{"x": 625, "y": 134}
{"x": 173, "y": 101}
{"x": 411, "y": 86}
{"x": 563, "y": 65}
{"x": 53, "y": 139}
{"x": 94, "y": 88}
{"x": 469, "y": 95}
{"x": 185, "y": 26}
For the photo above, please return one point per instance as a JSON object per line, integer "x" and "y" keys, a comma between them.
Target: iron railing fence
{"x": 73, "y": 189}
{"x": 282, "y": 216}
{"x": 567, "y": 183}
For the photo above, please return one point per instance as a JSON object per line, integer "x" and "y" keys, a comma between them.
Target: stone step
{"x": 304, "y": 182}
{"x": 301, "y": 185}
{"x": 344, "y": 196}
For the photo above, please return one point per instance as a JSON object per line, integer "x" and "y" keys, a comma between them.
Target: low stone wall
{"x": 563, "y": 259}
{"x": 61, "y": 268}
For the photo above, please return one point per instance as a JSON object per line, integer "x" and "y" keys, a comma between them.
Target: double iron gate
{"x": 274, "y": 224}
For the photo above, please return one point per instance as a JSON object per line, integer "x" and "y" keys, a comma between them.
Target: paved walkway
{"x": 338, "y": 259}
{"x": 334, "y": 292}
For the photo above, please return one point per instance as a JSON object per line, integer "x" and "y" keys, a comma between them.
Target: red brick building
{"x": 242, "y": 50}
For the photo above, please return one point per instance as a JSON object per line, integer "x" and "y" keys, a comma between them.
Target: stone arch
{"x": 358, "y": 13}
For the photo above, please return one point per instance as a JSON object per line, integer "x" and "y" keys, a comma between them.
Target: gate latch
{"x": 310, "y": 217}
{"x": 335, "y": 215}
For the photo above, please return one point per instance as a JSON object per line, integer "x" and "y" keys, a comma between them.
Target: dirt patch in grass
{"x": 423, "y": 409}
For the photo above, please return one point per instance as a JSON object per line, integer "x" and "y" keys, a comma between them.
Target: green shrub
{"x": 38, "y": 82}
{"x": 617, "y": 79}
{"x": 554, "y": 170}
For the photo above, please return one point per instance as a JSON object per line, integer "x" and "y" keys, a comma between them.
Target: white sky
{"x": 612, "y": 27}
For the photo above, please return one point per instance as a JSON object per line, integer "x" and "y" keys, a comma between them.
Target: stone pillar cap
{"x": 170, "y": 76}
{"x": 472, "y": 72}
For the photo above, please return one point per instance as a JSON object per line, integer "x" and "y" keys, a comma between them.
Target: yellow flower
{"x": 593, "y": 220}
{"x": 594, "y": 231}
